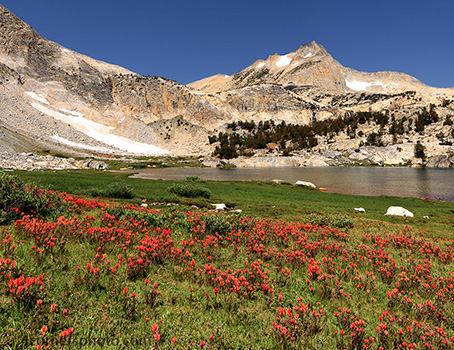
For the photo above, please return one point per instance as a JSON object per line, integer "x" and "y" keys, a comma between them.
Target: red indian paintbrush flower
{"x": 53, "y": 306}
{"x": 154, "y": 327}
{"x": 43, "y": 330}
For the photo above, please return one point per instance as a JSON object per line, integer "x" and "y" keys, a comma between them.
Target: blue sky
{"x": 188, "y": 40}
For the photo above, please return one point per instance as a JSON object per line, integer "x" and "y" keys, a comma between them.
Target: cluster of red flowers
{"x": 26, "y": 289}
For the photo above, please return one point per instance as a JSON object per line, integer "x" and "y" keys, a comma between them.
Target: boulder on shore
{"x": 399, "y": 211}
{"x": 305, "y": 183}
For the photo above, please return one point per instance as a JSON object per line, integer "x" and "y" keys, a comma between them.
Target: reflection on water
{"x": 376, "y": 181}
{"x": 423, "y": 183}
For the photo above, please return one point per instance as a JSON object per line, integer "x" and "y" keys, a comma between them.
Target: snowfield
{"x": 283, "y": 61}
{"x": 97, "y": 131}
{"x": 80, "y": 145}
{"x": 39, "y": 98}
{"x": 77, "y": 114}
{"x": 362, "y": 85}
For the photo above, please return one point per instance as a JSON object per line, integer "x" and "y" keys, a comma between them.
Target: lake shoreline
{"x": 428, "y": 183}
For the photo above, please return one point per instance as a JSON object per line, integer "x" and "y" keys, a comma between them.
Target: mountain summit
{"x": 311, "y": 65}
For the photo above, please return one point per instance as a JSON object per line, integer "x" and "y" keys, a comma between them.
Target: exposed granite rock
{"x": 390, "y": 155}
{"x": 31, "y": 161}
{"x": 315, "y": 161}
{"x": 211, "y": 162}
{"x": 441, "y": 161}
{"x": 393, "y": 155}
{"x": 90, "y": 164}
{"x": 264, "y": 162}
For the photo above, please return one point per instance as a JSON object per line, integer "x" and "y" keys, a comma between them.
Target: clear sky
{"x": 188, "y": 40}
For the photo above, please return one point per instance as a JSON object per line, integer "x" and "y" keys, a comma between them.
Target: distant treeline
{"x": 243, "y": 136}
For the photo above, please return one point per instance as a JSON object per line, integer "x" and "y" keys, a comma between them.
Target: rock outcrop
{"x": 31, "y": 161}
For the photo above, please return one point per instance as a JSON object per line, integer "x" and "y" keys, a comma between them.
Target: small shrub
{"x": 17, "y": 196}
{"x": 119, "y": 190}
{"x": 195, "y": 179}
{"x": 95, "y": 192}
{"x": 226, "y": 152}
{"x": 224, "y": 224}
{"x": 140, "y": 165}
{"x": 229, "y": 204}
{"x": 189, "y": 191}
{"x": 170, "y": 198}
{"x": 374, "y": 139}
{"x": 333, "y": 221}
{"x": 420, "y": 151}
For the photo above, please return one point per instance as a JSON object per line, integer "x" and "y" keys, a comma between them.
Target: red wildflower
{"x": 43, "y": 330}
{"x": 53, "y": 306}
{"x": 154, "y": 327}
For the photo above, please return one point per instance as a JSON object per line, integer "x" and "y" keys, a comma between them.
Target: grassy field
{"x": 297, "y": 269}
{"x": 261, "y": 199}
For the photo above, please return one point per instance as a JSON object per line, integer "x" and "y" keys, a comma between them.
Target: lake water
{"x": 375, "y": 181}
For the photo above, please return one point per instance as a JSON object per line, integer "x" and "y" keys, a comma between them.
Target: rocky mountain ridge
{"x": 310, "y": 66}
{"x": 52, "y": 98}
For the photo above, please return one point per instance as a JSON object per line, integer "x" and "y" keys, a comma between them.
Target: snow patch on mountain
{"x": 77, "y": 114}
{"x": 260, "y": 65}
{"x": 80, "y": 145}
{"x": 39, "y": 98}
{"x": 283, "y": 61}
{"x": 362, "y": 85}
{"x": 100, "y": 132}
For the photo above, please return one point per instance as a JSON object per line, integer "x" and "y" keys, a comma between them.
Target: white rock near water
{"x": 305, "y": 183}
{"x": 399, "y": 211}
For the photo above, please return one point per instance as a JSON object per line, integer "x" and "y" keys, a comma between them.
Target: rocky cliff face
{"x": 56, "y": 99}
{"x": 87, "y": 103}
